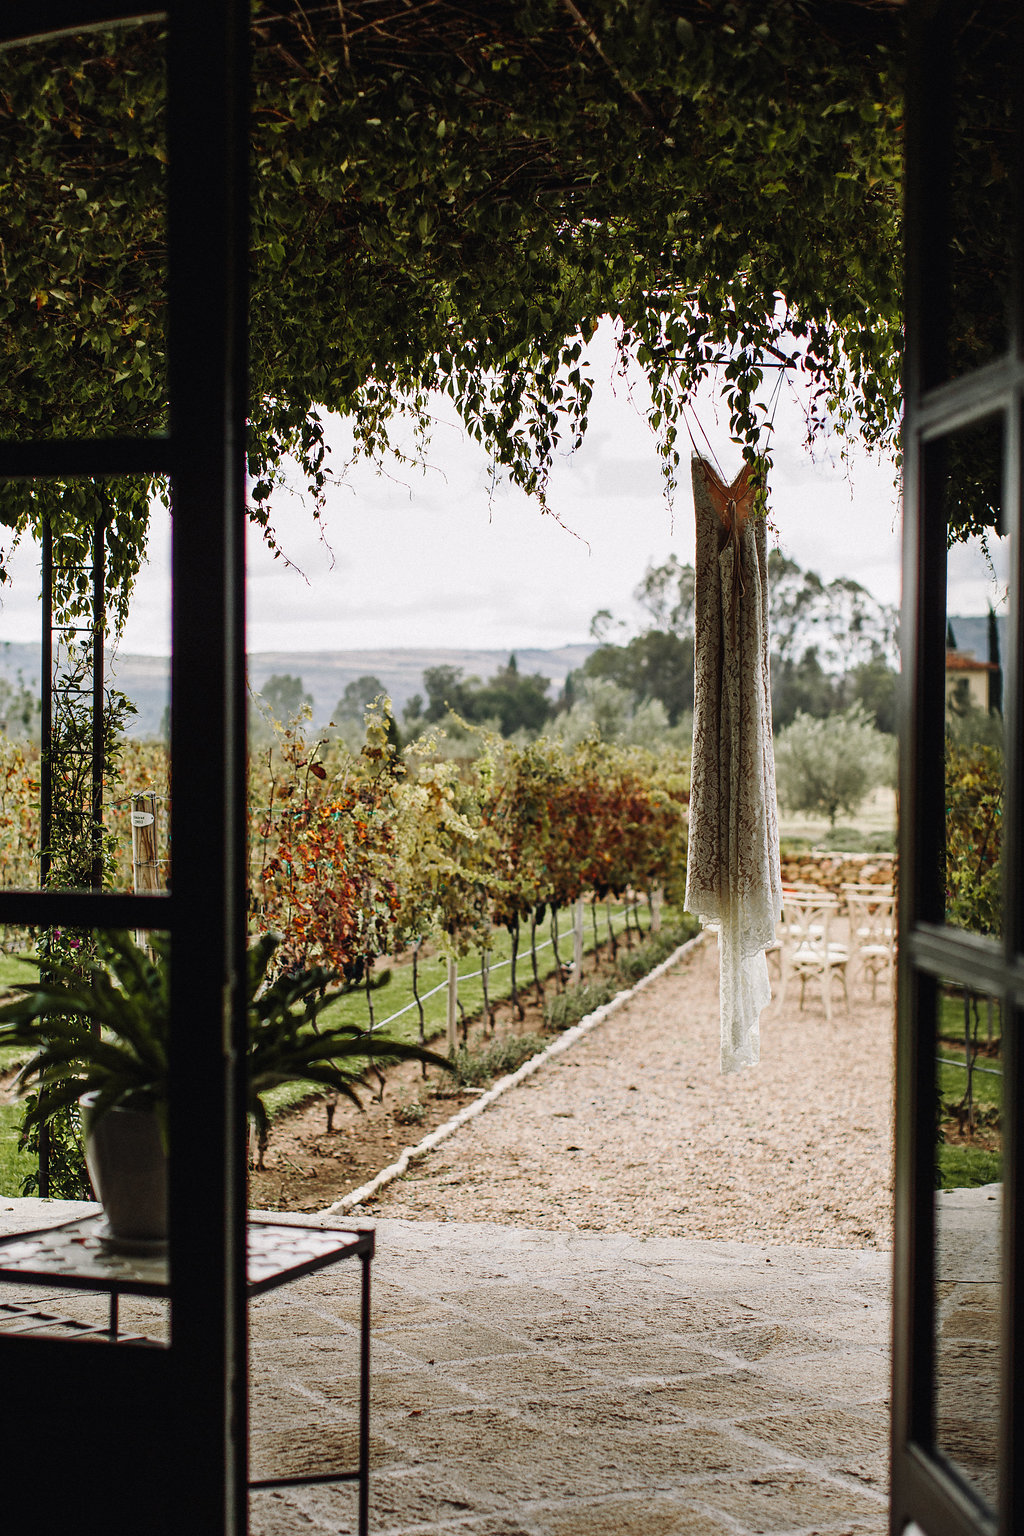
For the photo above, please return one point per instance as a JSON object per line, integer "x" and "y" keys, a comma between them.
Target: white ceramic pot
{"x": 127, "y": 1164}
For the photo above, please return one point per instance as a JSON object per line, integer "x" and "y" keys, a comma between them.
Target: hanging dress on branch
{"x": 733, "y": 882}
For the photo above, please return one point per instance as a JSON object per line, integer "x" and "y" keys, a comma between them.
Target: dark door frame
{"x": 195, "y": 1477}
{"x": 926, "y": 1488}
{"x": 157, "y": 1437}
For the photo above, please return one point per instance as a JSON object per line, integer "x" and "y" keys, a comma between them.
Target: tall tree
{"x": 285, "y": 697}
{"x": 655, "y": 665}
{"x": 995, "y": 681}
{"x": 446, "y": 692}
{"x": 668, "y": 593}
{"x": 19, "y": 708}
{"x": 357, "y": 697}
{"x": 518, "y": 702}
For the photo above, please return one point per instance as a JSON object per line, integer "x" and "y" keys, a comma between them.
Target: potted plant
{"x": 104, "y": 1043}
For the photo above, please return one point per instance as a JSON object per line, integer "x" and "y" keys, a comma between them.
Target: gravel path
{"x": 635, "y": 1129}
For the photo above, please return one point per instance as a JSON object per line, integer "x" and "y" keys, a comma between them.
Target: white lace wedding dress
{"x": 733, "y": 881}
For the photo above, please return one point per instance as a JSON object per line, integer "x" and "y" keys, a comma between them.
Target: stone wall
{"x": 832, "y": 870}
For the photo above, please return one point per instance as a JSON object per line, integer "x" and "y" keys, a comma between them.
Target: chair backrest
{"x": 871, "y": 918}
{"x": 808, "y": 916}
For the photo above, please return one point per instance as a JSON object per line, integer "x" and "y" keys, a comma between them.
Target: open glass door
{"x": 957, "y": 1453}
{"x": 108, "y": 1429}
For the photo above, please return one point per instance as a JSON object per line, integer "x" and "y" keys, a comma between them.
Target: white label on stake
{"x": 142, "y": 818}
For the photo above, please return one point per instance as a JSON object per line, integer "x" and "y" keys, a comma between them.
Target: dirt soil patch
{"x": 308, "y": 1166}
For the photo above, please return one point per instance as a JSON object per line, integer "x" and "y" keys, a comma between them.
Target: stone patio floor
{"x": 533, "y": 1383}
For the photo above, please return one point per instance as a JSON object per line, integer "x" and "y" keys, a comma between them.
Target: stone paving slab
{"x": 536, "y": 1383}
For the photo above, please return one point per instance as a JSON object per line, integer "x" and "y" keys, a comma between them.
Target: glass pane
{"x": 71, "y": 1153}
{"x": 984, "y": 89}
{"x": 82, "y": 300}
{"x": 977, "y": 610}
{"x": 20, "y": 837}
{"x": 968, "y": 1219}
{"x": 65, "y": 815}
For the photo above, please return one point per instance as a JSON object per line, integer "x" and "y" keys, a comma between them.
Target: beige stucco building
{"x": 968, "y": 683}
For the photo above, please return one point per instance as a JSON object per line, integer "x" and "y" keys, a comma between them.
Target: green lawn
{"x": 966, "y": 1167}
{"x": 397, "y": 994}
{"x": 12, "y": 971}
{"x": 15, "y": 1166}
{"x": 951, "y": 1018}
{"x": 959, "y": 1166}
{"x": 987, "y": 1088}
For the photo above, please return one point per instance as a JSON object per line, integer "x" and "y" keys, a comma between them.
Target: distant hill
{"x": 145, "y": 679}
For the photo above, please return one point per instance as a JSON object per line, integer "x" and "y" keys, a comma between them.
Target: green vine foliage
{"x": 450, "y": 198}
{"x": 974, "y": 830}
{"x": 77, "y": 843}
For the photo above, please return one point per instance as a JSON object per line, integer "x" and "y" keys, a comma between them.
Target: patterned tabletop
{"x": 80, "y": 1255}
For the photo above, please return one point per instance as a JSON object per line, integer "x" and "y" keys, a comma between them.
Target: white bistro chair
{"x": 811, "y": 953}
{"x": 872, "y": 930}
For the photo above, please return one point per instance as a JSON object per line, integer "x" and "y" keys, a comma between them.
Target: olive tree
{"x": 831, "y": 765}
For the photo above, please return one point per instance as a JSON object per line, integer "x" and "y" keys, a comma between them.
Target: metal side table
{"x": 75, "y": 1257}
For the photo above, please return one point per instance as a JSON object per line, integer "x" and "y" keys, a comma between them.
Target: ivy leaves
{"x": 451, "y": 199}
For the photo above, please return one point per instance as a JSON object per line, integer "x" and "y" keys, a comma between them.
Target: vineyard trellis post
{"x": 453, "y": 1004}
{"x": 656, "y": 898}
{"x": 559, "y": 978}
{"x": 485, "y": 976}
{"x": 145, "y": 862}
{"x": 418, "y": 1000}
{"x": 577, "y": 942}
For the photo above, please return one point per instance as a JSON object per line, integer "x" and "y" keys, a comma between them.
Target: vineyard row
{"x": 357, "y": 856}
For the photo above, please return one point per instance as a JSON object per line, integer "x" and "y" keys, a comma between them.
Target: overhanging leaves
{"x": 450, "y": 198}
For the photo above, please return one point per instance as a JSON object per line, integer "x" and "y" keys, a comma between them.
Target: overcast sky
{"x": 442, "y": 558}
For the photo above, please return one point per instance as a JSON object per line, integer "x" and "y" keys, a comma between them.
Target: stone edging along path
{"x": 562, "y": 1043}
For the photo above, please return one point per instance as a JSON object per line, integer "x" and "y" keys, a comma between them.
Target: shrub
{"x": 565, "y": 1010}
{"x": 657, "y": 947}
{"x": 830, "y": 765}
{"x": 474, "y": 1068}
{"x": 409, "y": 1112}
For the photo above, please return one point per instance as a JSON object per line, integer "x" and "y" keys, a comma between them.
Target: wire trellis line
{"x": 948, "y": 1061}
{"x": 472, "y": 975}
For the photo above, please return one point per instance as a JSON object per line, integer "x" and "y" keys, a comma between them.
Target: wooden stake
{"x": 559, "y": 978}
{"x": 657, "y": 896}
{"x": 145, "y": 865}
{"x": 453, "y": 1005}
{"x": 577, "y": 943}
{"x": 485, "y": 972}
